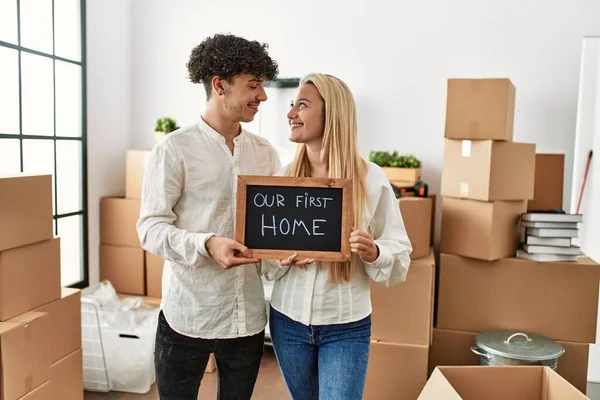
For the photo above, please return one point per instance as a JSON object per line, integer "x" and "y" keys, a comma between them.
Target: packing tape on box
{"x": 466, "y": 148}
{"x": 464, "y": 190}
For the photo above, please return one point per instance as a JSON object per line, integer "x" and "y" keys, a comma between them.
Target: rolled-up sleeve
{"x": 161, "y": 190}
{"x": 389, "y": 234}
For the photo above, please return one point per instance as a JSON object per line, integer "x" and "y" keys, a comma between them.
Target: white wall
{"x": 588, "y": 138}
{"x": 396, "y": 57}
{"x": 109, "y": 107}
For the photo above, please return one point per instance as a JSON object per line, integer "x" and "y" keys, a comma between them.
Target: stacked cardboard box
{"x": 40, "y": 325}
{"x": 487, "y": 182}
{"x": 418, "y": 214}
{"x": 401, "y": 334}
{"x": 549, "y": 182}
{"x": 487, "y": 178}
{"x": 122, "y": 260}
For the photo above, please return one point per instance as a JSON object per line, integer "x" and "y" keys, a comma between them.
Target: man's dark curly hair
{"x": 227, "y": 56}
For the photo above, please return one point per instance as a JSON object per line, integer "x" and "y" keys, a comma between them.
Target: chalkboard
{"x": 277, "y": 216}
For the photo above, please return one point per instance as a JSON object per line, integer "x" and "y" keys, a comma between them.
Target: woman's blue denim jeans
{"x": 327, "y": 362}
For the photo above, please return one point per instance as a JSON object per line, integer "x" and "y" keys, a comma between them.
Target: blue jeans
{"x": 327, "y": 362}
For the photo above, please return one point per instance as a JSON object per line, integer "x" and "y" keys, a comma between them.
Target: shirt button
{"x": 235, "y": 164}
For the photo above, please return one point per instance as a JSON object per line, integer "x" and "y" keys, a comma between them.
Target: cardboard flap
{"x": 40, "y": 393}
{"x": 495, "y": 383}
{"x": 4, "y": 175}
{"x": 555, "y": 387}
{"x": 66, "y": 292}
{"x": 7, "y": 326}
{"x": 438, "y": 387}
{"x": 26, "y": 318}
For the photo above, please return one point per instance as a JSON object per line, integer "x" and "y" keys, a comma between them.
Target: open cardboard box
{"x": 451, "y": 348}
{"x": 498, "y": 383}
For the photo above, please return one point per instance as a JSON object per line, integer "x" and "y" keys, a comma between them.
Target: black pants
{"x": 180, "y": 362}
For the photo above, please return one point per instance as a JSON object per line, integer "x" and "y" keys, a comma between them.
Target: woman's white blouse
{"x": 305, "y": 294}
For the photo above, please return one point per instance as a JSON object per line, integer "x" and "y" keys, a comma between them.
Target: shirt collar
{"x": 204, "y": 127}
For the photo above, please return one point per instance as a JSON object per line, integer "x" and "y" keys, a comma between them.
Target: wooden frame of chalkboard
{"x": 339, "y": 251}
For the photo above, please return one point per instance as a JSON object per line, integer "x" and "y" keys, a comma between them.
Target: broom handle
{"x": 587, "y": 168}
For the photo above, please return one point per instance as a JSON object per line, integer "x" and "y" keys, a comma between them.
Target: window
{"x": 42, "y": 113}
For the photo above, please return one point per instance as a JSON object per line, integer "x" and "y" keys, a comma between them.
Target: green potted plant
{"x": 399, "y": 169}
{"x": 163, "y": 127}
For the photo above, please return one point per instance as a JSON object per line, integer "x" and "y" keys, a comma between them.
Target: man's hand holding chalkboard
{"x": 229, "y": 253}
{"x": 363, "y": 244}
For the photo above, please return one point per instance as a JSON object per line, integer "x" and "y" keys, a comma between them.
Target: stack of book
{"x": 548, "y": 236}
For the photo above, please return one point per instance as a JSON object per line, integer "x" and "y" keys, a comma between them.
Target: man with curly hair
{"x": 213, "y": 299}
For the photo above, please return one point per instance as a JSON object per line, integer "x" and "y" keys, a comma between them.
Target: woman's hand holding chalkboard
{"x": 291, "y": 260}
{"x": 363, "y": 244}
{"x": 229, "y": 253}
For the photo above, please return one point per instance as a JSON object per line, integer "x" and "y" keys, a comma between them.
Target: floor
{"x": 269, "y": 386}
{"x": 593, "y": 391}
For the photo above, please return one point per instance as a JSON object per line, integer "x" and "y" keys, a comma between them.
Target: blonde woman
{"x": 320, "y": 312}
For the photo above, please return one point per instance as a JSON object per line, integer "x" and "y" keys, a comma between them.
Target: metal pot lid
{"x": 519, "y": 345}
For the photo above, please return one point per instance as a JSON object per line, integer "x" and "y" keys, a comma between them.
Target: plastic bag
{"x": 129, "y": 314}
{"x": 128, "y": 329}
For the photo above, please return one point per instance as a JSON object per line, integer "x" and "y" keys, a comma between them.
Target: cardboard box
{"x": 40, "y": 393}
{"x": 549, "y": 181}
{"x": 65, "y": 323}
{"x": 433, "y": 198}
{"x": 488, "y": 170}
{"x": 498, "y": 383}
{"x": 25, "y": 210}
{"x": 118, "y": 219}
{"x": 124, "y": 268}
{"x": 417, "y": 216}
{"x": 558, "y": 300}
{"x": 396, "y": 371}
{"x": 573, "y": 364}
{"x": 154, "y": 270}
{"x": 480, "y": 109}
{"x": 150, "y": 301}
{"x": 482, "y": 230}
{"x": 29, "y": 277}
{"x": 451, "y": 348}
{"x": 66, "y": 377}
{"x": 403, "y": 313}
{"x": 135, "y": 165}
{"x": 24, "y": 354}
{"x": 402, "y": 176}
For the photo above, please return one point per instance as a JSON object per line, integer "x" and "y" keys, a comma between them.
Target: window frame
{"x": 84, "y": 282}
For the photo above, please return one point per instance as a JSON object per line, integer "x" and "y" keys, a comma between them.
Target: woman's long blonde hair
{"x": 340, "y": 149}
